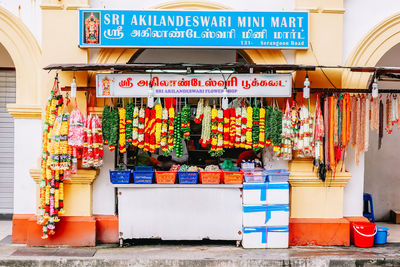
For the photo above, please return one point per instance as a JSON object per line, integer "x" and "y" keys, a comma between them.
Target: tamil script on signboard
{"x": 219, "y": 29}
{"x": 193, "y": 85}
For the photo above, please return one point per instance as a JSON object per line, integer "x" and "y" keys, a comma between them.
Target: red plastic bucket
{"x": 364, "y": 233}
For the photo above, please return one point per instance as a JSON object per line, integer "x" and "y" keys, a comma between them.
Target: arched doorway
{"x": 381, "y": 177}
{"x": 7, "y": 96}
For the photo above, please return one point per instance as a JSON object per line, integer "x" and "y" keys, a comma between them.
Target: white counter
{"x": 180, "y": 211}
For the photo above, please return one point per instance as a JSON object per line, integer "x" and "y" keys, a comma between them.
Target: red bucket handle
{"x": 355, "y": 229}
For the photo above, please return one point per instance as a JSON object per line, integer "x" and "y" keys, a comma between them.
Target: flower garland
{"x": 220, "y": 134}
{"x": 122, "y": 132}
{"x": 129, "y": 123}
{"x": 141, "y": 128}
{"x": 238, "y": 126}
{"x": 286, "y": 150}
{"x": 178, "y": 146}
{"x": 164, "y": 131}
{"x": 226, "y": 127}
{"x": 87, "y": 153}
{"x": 113, "y": 129}
{"x": 249, "y": 126}
{"x": 106, "y": 117}
{"x": 186, "y": 122}
{"x": 232, "y": 127}
{"x": 199, "y": 111}
{"x": 171, "y": 123}
{"x": 205, "y": 138}
{"x": 152, "y": 127}
{"x": 51, "y": 183}
{"x": 256, "y": 127}
{"x": 146, "y": 129}
{"x": 268, "y": 130}
{"x": 97, "y": 142}
{"x": 305, "y": 132}
{"x": 276, "y": 129}
{"x": 243, "y": 128}
{"x": 158, "y": 109}
{"x": 75, "y": 137}
{"x": 135, "y": 126}
{"x": 261, "y": 138}
{"x": 214, "y": 129}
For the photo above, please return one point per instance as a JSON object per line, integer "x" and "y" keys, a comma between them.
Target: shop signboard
{"x": 193, "y": 29}
{"x": 193, "y": 85}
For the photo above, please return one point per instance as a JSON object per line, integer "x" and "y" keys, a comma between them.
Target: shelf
{"x": 219, "y": 186}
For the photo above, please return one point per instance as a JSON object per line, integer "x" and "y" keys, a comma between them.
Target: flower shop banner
{"x": 193, "y": 85}
{"x": 193, "y": 29}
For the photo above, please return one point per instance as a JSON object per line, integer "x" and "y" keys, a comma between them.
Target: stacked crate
{"x": 266, "y": 211}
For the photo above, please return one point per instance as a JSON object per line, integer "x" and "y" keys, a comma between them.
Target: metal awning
{"x": 238, "y": 67}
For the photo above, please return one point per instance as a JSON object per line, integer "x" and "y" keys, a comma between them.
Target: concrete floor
{"x": 216, "y": 255}
{"x": 394, "y": 231}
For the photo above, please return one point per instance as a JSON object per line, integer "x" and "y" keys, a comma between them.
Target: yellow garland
{"x": 135, "y": 126}
{"x": 171, "y": 117}
{"x": 164, "y": 130}
{"x": 249, "y": 126}
{"x": 122, "y": 131}
{"x": 261, "y": 138}
{"x": 158, "y": 109}
{"x": 214, "y": 129}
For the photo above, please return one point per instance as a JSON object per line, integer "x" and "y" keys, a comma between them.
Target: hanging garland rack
{"x": 381, "y": 73}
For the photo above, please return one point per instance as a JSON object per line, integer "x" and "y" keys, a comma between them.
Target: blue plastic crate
{"x": 254, "y": 176}
{"x": 143, "y": 175}
{"x": 120, "y": 177}
{"x": 277, "y": 176}
{"x": 188, "y": 177}
{"x": 143, "y": 168}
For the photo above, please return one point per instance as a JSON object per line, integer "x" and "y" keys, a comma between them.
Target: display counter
{"x": 180, "y": 211}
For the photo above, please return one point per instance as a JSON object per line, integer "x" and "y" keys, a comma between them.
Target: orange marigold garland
{"x": 232, "y": 127}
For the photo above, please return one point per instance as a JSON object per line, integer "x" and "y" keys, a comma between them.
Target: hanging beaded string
{"x": 135, "y": 126}
{"x": 261, "y": 136}
{"x": 232, "y": 127}
{"x": 256, "y": 126}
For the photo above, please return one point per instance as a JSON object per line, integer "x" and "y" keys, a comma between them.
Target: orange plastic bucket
{"x": 364, "y": 233}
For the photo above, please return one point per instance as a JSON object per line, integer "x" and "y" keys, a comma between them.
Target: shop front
{"x": 192, "y": 125}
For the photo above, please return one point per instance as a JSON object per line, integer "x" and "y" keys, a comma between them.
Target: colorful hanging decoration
{"x": 287, "y": 133}
{"x": 255, "y": 130}
{"x": 261, "y": 136}
{"x": 232, "y": 127}
{"x": 164, "y": 131}
{"x": 249, "y": 125}
{"x": 305, "y": 133}
{"x": 129, "y": 124}
{"x": 106, "y": 119}
{"x": 199, "y": 111}
{"x": 135, "y": 126}
{"x": 54, "y": 163}
{"x": 158, "y": 108}
{"x": 92, "y": 155}
{"x": 318, "y": 133}
{"x": 171, "y": 124}
{"x": 75, "y": 138}
{"x": 186, "y": 122}
{"x": 205, "y": 138}
{"x": 214, "y": 129}
{"x": 238, "y": 126}
{"x": 178, "y": 146}
{"x": 122, "y": 130}
{"x": 141, "y": 128}
{"x": 226, "y": 128}
{"x": 113, "y": 130}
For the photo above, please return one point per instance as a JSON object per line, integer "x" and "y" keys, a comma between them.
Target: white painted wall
{"x": 353, "y": 192}
{"x": 30, "y": 13}
{"x": 361, "y": 16}
{"x": 258, "y": 5}
{"x": 103, "y": 192}
{"x": 27, "y": 152}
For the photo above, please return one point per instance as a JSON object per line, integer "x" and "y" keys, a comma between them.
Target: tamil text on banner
{"x": 193, "y": 85}
{"x": 193, "y": 29}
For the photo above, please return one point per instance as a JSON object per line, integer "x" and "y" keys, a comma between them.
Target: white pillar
{"x": 27, "y": 153}
{"x": 354, "y": 190}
